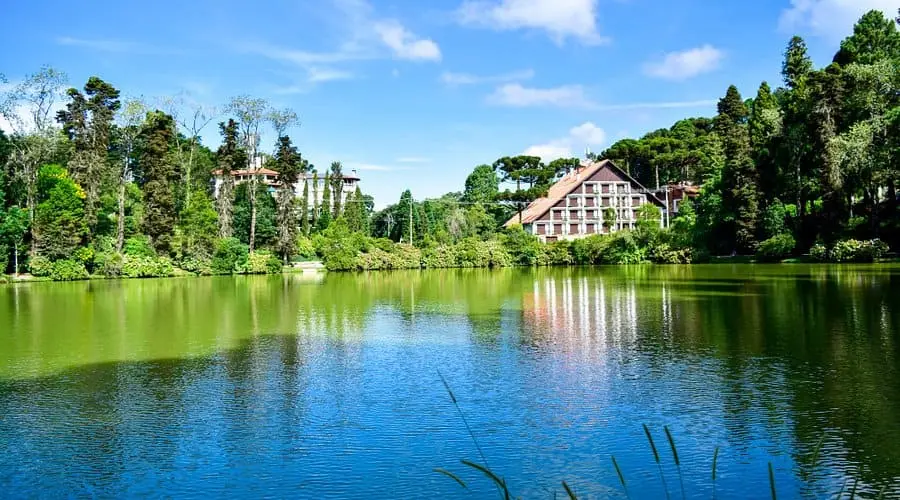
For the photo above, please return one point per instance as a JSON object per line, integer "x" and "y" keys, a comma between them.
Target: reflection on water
{"x": 286, "y": 386}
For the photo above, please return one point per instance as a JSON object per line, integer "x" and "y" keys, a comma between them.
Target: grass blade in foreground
{"x": 621, "y": 476}
{"x": 662, "y": 476}
{"x": 772, "y": 482}
{"x": 569, "y": 491}
{"x": 451, "y": 476}
{"x": 494, "y": 477}
{"x": 677, "y": 462}
{"x": 715, "y": 460}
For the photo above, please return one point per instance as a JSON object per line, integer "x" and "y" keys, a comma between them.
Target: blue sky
{"x": 416, "y": 93}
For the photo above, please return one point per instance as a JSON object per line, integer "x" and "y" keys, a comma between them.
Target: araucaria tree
{"x": 741, "y": 187}
{"x": 230, "y": 157}
{"x": 287, "y": 163}
{"x": 88, "y": 121}
{"x": 161, "y": 178}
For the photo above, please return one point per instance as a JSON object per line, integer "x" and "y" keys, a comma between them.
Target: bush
{"x": 263, "y": 262}
{"x": 663, "y": 253}
{"x": 230, "y": 257}
{"x": 197, "y": 265}
{"x": 68, "y": 270}
{"x": 624, "y": 249}
{"x": 590, "y": 250}
{"x": 441, "y": 257}
{"x": 524, "y": 248}
{"x": 109, "y": 264}
{"x": 776, "y": 248}
{"x": 557, "y": 253}
{"x": 857, "y": 251}
{"x": 818, "y": 253}
{"x": 146, "y": 267}
{"x": 305, "y": 249}
{"x": 40, "y": 266}
{"x": 138, "y": 246}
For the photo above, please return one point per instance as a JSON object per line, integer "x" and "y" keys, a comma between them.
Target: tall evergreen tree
{"x": 287, "y": 163}
{"x": 304, "y": 208}
{"x": 230, "y": 157}
{"x": 161, "y": 178}
{"x": 337, "y": 187}
{"x": 795, "y": 151}
{"x": 875, "y": 38}
{"x": 250, "y": 113}
{"x": 88, "y": 121}
{"x": 325, "y": 210}
{"x": 741, "y": 189}
{"x": 765, "y": 130}
{"x": 316, "y": 203}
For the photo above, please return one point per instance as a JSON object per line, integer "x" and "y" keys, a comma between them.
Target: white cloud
{"x": 657, "y": 105}
{"x": 686, "y": 64}
{"x": 561, "y": 19}
{"x": 406, "y": 45}
{"x": 585, "y": 135}
{"x": 515, "y": 95}
{"x": 320, "y": 74}
{"x": 371, "y": 167}
{"x": 832, "y": 19}
{"x": 413, "y": 159}
{"x": 454, "y": 79}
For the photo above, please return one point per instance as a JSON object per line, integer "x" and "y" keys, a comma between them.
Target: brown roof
{"x": 261, "y": 171}
{"x": 569, "y": 183}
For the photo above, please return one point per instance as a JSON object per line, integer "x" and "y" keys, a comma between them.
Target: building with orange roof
{"x": 579, "y": 203}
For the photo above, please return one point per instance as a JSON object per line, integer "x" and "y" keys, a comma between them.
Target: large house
{"x": 269, "y": 178}
{"x": 578, "y": 204}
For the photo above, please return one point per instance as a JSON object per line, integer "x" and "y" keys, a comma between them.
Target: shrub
{"x": 197, "y": 265}
{"x": 109, "y": 264}
{"x": 230, "y": 257}
{"x": 40, "y": 266}
{"x": 590, "y": 250}
{"x": 305, "y": 249}
{"x": 68, "y": 270}
{"x": 498, "y": 255}
{"x": 818, "y": 253}
{"x": 142, "y": 266}
{"x": 624, "y": 249}
{"x": 441, "y": 257}
{"x": 263, "y": 262}
{"x": 857, "y": 251}
{"x": 139, "y": 246}
{"x": 556, "y": 253}
{"x": 663, "y": 253}
{"x": 524, "y": 248}
{"x": 776, "y": 248}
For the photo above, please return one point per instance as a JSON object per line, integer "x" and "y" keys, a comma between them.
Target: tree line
{"x": 115, "y": 186}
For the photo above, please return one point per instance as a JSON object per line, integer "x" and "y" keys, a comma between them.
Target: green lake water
{"x": 327, "y": 386}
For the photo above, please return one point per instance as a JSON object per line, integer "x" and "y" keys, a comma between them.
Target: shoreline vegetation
{"x": 119, "y": 187}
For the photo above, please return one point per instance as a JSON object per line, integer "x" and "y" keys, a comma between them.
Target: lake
{"x": 328, "y": 386}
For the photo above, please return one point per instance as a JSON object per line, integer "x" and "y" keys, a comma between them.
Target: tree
{"x": 250, "y": 113}
{"x": 191, "y": 117}
{"x": 128, "y": 128}
{"x": 765, "y": 130}
{"x": 795, "y": 144}
{"x": 314, "y": 217}
{"x": 875, "y": 38}
{"x": 266, "y": 214}
{"x": 356, "y": 212}
{"x": 337, "y": 187}
{"x": 195, "y": 235}
{"x": 88, "y": 122}
{"x": 59, "y": 225}
{"x": 522, "y": 169}
{"x": 740, "y": 195}
{"x": 325, "y": 208}
{"x": 304, "y": 208}
{"x": 33, "y": 131}
{"x": 13, "y": 227}
{"x": 161, "y": 178}
{"x": 287, "y": 164}
{"x": 230, "y": 157}
{"x": 482, "y": 185}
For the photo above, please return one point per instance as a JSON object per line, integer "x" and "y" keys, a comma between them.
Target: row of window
{"x": 546, "y": 229}
{"x": 562, "y": 214}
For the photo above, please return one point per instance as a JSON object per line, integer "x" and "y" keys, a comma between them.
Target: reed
{"x": 772, "y": 482}
{"x": 715, "y": 460}
{"x": 853, "y": 489}
{"x": 677, "y": 462}
{"x": 451, "y": 476}
{"x": 621, "y": 476}
{"x": 662, "y": 477}
{"x": 500, "y": 482}
{"x": 569, "y": 491}
{"x": 463, "y": 417}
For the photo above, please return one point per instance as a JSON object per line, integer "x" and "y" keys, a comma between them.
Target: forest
{"x": 110, "y": 186}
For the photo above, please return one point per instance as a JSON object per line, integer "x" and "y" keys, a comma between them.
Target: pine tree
{"x": 88, "y": 121}
{"x": 230, "y": 157}
{"x": 287, "y": 163}
{"x": 304, "y": 208}
{"x": 337, "y": 187}
{"x": 740, "y": 184}
{"x": 765, "y": 129}
{"x": 316, "y": 205}
{"x": 161, "y": 178}
{"x": 355, "y": 212}
{"x": 325, "y": 211}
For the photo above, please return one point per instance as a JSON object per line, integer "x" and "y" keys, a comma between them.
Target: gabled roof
{"x": 569, "y": 183}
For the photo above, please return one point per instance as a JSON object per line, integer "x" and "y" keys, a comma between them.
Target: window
{"x": 573, "y": 214}
{"x": 573, "y": 229}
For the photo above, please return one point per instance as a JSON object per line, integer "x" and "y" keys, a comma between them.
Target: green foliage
{"x": 40, "y": 266}
{"x": 266, "y": 230}
{"x": 482, "y": 185}
{"x": 263, "y": 262}
{"x": 857, "y": 251}
{"x": 304, "y": 249}
{"x": 230, "y": 256}
{"x": 776, "y": 248}
{"x": 139, "y": 246}
{"x": 195, "y": 235}
{"x": 144, "y": 266}
{"x": 59, "y": 226}
{"x": 68, "y": 270}
{"x": 160, "y": 178}
{"x": 818, "y": 253}
{"x": 524, "y": 247}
